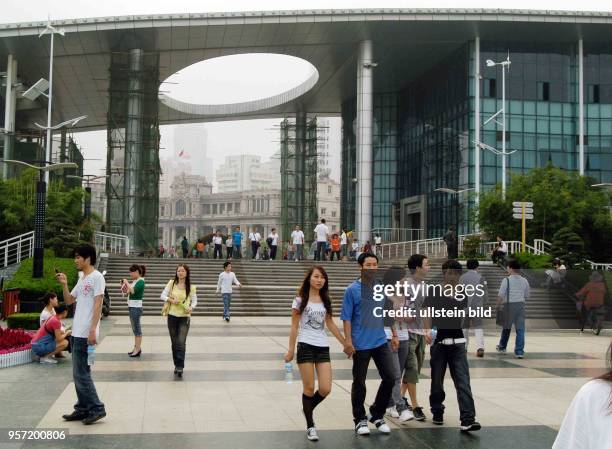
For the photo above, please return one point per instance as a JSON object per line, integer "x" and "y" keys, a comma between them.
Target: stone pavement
{"x": 233, "y": 394}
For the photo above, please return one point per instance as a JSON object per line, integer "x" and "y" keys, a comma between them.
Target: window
{"x": 214, "y": 209}
{"x": 333, "y": 214}
{"x": 489, "y": 88}
{"x": 237, "y": 207}
{"x": 323, "y": 211}
{"x": 221, "y": 208}
{"x": 593, "y": 93}
{"x": 229, "y": 207}
{"x": 180, "y": 207}
{"x": 329, "y": 189}
{"x": 163, "y": 211}
{"x": 206, "y": 209}
{"x": 543, "y": 91}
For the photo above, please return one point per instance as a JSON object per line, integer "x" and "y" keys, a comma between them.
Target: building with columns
{"x": 413, "y": 87}
{"x": 192, "y": 210}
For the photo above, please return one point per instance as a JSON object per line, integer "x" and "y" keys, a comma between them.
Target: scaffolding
{"x": 132, "y": 168}
{"x": 299, "y": 176}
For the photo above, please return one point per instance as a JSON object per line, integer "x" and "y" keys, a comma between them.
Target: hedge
{"x": 23, "y": 321}
{"x": 31, "y": 290}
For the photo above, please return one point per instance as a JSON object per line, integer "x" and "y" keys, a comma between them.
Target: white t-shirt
{"x": 274, "y": 237}
{"x": 503, "y": 247}
{"x": 84, "y": 292}
{"x": 254, "y": 237}
{"x": 298, "y": 237}
{"x": 217, "y": 240}
{"x": 322, "y": 231}
{"x": 312, "y": 323}
{"x": 588, "y": 420}
{"x": 225, "y": 281}
{"x": 45, "y": 315}
{"x": 355, "y": 246}
{"x": 378, "y": 240}
{"x": 228, "y": 242}
{"x": 343, "y": 238}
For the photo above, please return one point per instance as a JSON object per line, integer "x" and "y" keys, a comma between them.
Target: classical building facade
{"x": 192, "y": 210}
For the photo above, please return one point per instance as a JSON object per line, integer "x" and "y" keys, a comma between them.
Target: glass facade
{"x": 423, "y": 135}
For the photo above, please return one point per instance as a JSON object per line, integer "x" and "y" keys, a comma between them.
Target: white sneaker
{"x": 47, "y": 361}
{"x": 311, "y": 434}
{"x": 392, "y": 412}
{"x": 406, "y": 415}
{"x": 362, "y": 428}
{"x": 382, "y": 426}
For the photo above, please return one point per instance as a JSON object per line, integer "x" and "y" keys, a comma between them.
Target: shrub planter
{"x": 16, "y": 356}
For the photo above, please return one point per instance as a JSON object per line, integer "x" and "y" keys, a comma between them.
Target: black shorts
{"x": 312, "y": 354}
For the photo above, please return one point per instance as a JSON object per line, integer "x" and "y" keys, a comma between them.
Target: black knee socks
{"x": 309, "y": 403}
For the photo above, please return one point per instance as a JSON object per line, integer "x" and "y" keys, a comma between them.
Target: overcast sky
{"x": 225, "y": 85}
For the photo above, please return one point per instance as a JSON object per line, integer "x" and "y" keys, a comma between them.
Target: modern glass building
{"x": 424, "y": 133}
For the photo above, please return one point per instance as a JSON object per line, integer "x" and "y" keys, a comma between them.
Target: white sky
{"x": 226, "y": 85}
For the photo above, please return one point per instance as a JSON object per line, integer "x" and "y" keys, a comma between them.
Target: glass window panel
{"x": 556, "y": 127}
{"x": 606, "y": 127}
{"x": 555, "y": 109}
{"x": 568, "y": 110}
{"x": 542, "y": 125}
{"x": 529, "y": 158}
{"x": 542, "y": 108}
{"x": 592, "y": 110}
{"x": 516, "y": 107}
{"x": 592, "y": 127}
{"x": 529, "y": 125}
{"x": 529, "y": 107}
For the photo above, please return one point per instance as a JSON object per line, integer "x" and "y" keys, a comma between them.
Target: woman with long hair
{"x": 588, "y": 420}
{"x": 311, "y": 311}
{"x": 181, "y": 299}
{"x": 135, "y": 291}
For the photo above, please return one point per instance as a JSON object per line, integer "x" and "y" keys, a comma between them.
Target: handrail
{"x": 599, "y": 265}
{"x": 16, "y": 249}
{"x": 396, "y": 234}
{"x": 112, "y": 243}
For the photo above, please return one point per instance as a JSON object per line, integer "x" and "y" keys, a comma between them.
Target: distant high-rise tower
{"x": 190, "y": 144}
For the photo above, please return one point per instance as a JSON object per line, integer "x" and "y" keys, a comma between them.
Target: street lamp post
{"x": 88, "y": 179}
{"x": 39, "y": 213}
{"x": 455, "y": 193}
{"x": 505, "y": 65}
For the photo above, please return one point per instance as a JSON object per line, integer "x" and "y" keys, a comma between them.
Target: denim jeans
{"x": 455, "y": 357}
{"x": 320, "y": 251}
{"x": 399, "y": 360}
{"x": 178, "y": 328}
{"x": 237, "y": 252}
{"x": 217, "y": 252}
{"x": 298, "y": 252}
{"x": 227, "y": 300}
{"x": 383, "y": 358}
{"x": 516, "y": 316}
{"x": 87, "y": 397}
{"x": 135, "y": 314}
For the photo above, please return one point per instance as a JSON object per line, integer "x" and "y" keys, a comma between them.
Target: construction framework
{"x": 132, "y": 168}
{"x": 299, "y": 176}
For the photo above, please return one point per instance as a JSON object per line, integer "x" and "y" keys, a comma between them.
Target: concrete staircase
{"x": 270, "y": 286}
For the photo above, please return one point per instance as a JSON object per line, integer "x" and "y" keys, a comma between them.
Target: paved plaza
{"x": 233, "y": 393}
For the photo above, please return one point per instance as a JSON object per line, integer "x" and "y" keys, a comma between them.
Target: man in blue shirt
{"x": 237, "y": 240}
{"x": 365, "y": 340}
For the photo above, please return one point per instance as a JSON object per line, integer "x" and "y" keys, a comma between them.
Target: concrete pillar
{"x": 300, "y": 166}
{"x": 133, "y": 145}
{"x": 365, "y": 109}
{"x": 580, "y": 107}
{"x": 9, "y": 113}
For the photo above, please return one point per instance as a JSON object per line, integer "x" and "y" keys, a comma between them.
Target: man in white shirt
{"x": 513, "y": 292}
{"x": 343, "y": 243}
{"x": 501, "y": 251}
{"x": 321, "y": 233}
{"x": 88, "y": 294}
{"x": 273, "y": 243}
{"x": 227, "y": 278}
{"x": 254, "y": 237}
{"x": 218, "y": 241}
{"x": 297, "y": 238}
{"x": 377, "y": 244}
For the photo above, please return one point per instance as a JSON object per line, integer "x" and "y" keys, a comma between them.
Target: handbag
{"x": 501, "y": 319}
{"x": 166, "y": 307}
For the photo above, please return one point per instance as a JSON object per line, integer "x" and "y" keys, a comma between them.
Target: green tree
{"x": 65, "y": 226}
{"x": 568, "y": 246}
{"x": 560, "y": 199}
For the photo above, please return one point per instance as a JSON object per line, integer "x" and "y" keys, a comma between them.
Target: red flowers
{"x": 11, "y": 339}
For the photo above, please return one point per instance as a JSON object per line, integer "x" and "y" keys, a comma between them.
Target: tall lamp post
{"x": 88, "y": 180}
{"x": 505, "y": 65}
{"x": 39, "y": 216}
{"x": 455, "y": 193}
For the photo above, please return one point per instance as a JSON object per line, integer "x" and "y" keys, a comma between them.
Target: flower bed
{"x": 15, "y": 347}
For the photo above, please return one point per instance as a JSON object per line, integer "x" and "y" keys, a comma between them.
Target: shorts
{"x": 414, "y": 361}
{"x": 135, "y": 314}
{"x": 312, "y": 354}
{"x": 45, "y": 345}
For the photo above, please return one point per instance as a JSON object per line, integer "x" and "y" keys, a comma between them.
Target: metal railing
{"x": 389, "y": 235}
{"x": 16, "y": 249}
{"x": 542, "y": 246}
{"x": 106, "y": 242}
{"x": 599, "y": 266}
